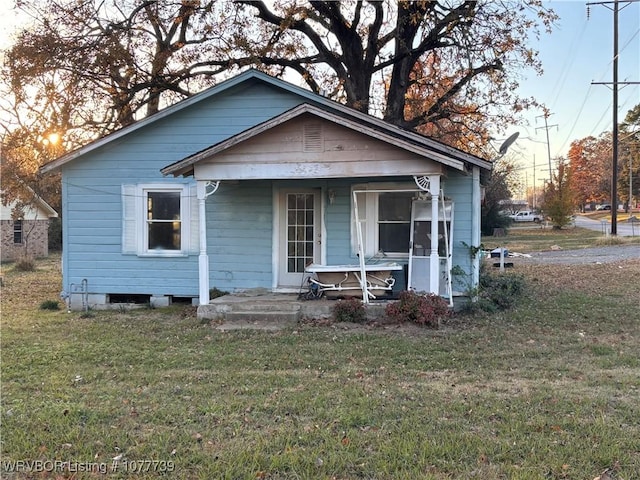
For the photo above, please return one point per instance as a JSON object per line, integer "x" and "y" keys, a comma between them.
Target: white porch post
{"x": 203, "y": 258}
{"x": 434, "y": 259}
{"x": 475, "y": 224}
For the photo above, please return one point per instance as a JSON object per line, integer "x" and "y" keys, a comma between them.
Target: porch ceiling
{"x": 309, "y": 142}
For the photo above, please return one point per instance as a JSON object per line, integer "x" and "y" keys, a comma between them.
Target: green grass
{"x": 547, "y": 390}
{"x": 537, "y": 239}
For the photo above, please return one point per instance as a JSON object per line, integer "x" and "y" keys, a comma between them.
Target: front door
{"x": 299, "y": 235}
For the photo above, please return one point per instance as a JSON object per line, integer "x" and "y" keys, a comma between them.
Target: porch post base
{"x": 203, "y": 275}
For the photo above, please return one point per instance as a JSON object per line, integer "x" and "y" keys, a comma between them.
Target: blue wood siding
{"x": 239, "y": 235}
{"x": 240, "y": 215}
{"x": 92, "y": 203}
{"x": 338, "y": 217}
{"x": 459, "y": 188}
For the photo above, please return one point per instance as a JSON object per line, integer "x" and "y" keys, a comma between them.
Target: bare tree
{"x": 458, "y": 58}
{"x": 121, "y": 59}
{"x": 446, "y": 68}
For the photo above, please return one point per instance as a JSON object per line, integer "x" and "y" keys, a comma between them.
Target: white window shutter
{"x": 129, "y": 242}
{"x": 194, "y": 221}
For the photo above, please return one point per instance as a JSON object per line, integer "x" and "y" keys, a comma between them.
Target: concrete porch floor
{"x": 272, "y": 311}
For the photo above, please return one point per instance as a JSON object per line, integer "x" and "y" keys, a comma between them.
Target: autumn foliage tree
{"x": 475, "y": 134}
{"x": 35, "y": 130}
{"x": 439, "y": 63}
{"x": 462, "y": 56}
{"x": 447, "y": 69}
{"x": 84, "y": 69}
{"x": 559, "y": 197}
{"x": 590, "y": 160}
{"x": 121, "y": 60}
{"x": 629, "y": 158}
{"x": 22, "y": 187}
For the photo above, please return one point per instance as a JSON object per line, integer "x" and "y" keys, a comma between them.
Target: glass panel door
{"x": 300, "y": 231}
{"x": 299, "y": 235}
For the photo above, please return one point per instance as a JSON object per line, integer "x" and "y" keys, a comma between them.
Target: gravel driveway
{"x": 616, "y": 253}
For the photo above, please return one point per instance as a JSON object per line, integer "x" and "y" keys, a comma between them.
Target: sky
{"x": 578, "y": 53}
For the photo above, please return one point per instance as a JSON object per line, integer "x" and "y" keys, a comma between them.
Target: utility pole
{"x": 614, "y": 139}
{"x": 614, "y": 87}
{"x": 546, "y": 115}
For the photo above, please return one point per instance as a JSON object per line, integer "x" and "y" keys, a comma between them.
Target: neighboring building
{"x": 245, "y": 184}
{"x": 28, "y": 233}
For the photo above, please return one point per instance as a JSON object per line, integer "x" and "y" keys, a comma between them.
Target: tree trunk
{"x": 406, "y": 31}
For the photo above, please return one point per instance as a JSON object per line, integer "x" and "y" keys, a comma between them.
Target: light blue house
{"x": 246, "y": 184}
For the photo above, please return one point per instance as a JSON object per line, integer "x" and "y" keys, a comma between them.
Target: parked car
{"x": 604, "y": 206}
{"x": 527, "y": 216}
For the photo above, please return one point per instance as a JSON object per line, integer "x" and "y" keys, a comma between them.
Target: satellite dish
{"x": 507, "y": 143}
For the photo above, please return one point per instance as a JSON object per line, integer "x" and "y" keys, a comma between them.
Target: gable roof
{"x": 38, "y": 203}
{"x": 185, "y": 166}
{"x": 326, "y": 105}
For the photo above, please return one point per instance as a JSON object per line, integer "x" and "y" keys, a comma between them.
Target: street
{"x": 625, "y": 228}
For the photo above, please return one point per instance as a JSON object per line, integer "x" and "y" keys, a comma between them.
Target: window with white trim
{"x": 385, "y": 218}
{"x": 17, "y": 231}
{"x": 159, "y": 219}
{"x": 164, "y": 220}
{"x": 394, "y": 221}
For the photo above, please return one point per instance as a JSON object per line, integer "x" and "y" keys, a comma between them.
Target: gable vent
{"x": 312, "y": 137}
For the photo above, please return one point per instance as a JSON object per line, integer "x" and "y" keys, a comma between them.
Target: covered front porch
{"x": 313, "y": 187}
{"x": 326, "y": 237}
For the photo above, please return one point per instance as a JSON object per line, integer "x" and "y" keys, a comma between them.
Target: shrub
{"x": 492, "y": 219}
{"x": 350, "y": 310}
{"x": 422, "y": 309}
{"x": 50, "y": 305}
{"x": 25, "y": 264}
{"x": 216, "y": 292}
{"x": 497, "y": 291}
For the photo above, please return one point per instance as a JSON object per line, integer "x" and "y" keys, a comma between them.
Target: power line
{"x": 614, "y": 86}
{"x": 576, "y": 119}
{"x": 568, "y": 64}
{"x": 547, "y": 127}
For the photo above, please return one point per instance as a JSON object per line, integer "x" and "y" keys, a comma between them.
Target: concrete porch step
{"x": 255, "y": 317}
{"x": 265, "y": 307}
{"x": 260, "y": 312}
{"x": 272, "y": 312}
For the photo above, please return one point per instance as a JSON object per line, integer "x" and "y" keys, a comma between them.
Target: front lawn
{"x": 550, "y": 389}
{"x": 528, "y": 239}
